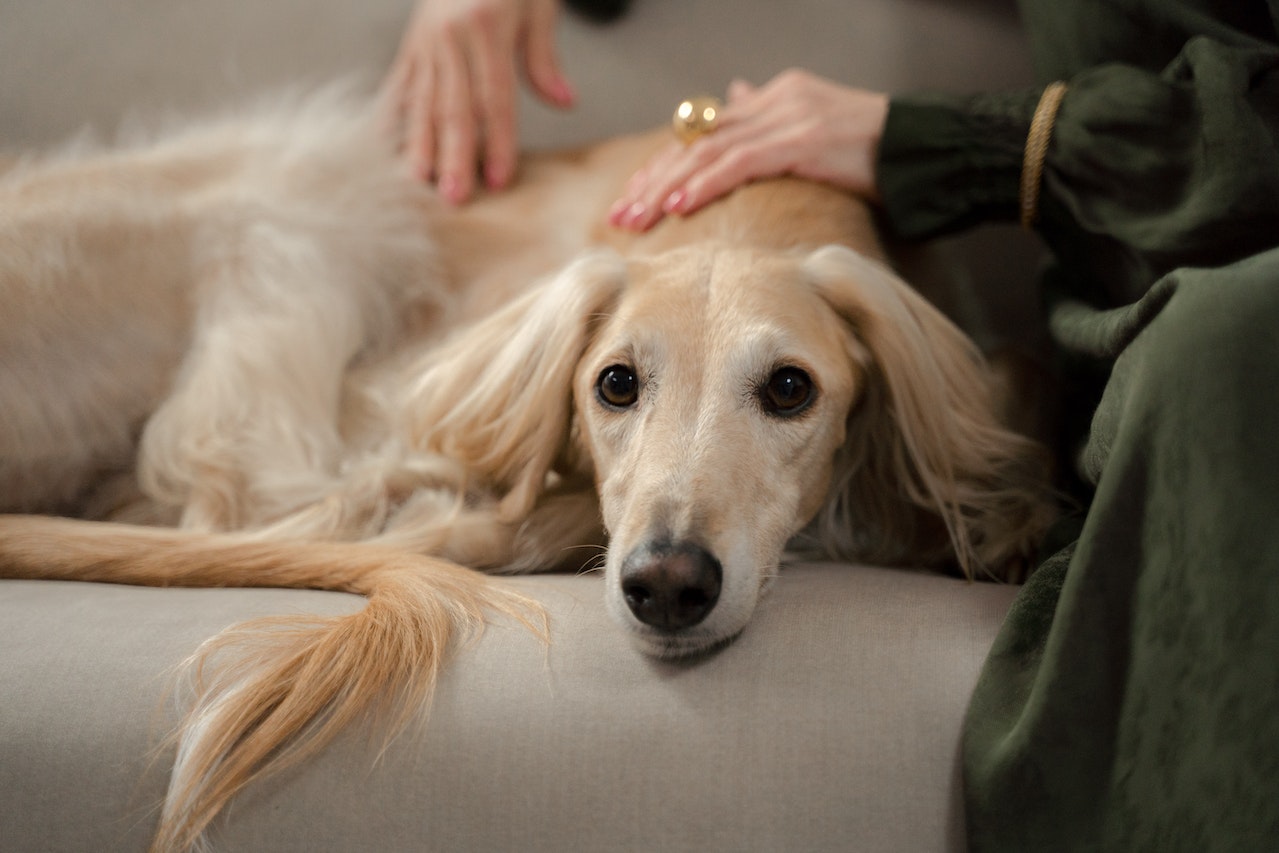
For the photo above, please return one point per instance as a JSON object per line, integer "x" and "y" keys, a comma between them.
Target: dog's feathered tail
{"x": 273, "y": 691}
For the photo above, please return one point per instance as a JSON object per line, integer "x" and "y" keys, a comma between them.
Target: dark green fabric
{"x": 1149, "y": 168}
{"x": 1131, "y": 702}
{"x": 949, "y": 161}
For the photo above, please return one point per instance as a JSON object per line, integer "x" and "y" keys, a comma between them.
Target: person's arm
{"x": 1144, "y": 172}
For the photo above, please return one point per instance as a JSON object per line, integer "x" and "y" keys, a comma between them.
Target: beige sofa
{"x": 833, "y": 723}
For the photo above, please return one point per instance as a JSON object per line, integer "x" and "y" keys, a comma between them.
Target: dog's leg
{"x": 271, "y": 692}
{"x": 253, "y": 413}
{"x": 251, "y": 429}
{"x": 563, "y": 530}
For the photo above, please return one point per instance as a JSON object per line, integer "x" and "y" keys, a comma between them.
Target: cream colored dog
{"x": 286, "y": 365}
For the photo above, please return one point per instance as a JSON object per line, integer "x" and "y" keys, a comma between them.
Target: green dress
{"x": 1131, "y": 701}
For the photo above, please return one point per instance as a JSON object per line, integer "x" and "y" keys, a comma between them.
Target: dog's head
{"x": 730, "y": 401}
{"x": 712, "y": 401}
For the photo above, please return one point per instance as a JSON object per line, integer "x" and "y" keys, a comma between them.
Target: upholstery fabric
{"x": 831, "y": 723}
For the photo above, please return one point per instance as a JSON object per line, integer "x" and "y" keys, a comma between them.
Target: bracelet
{"x": 1032, "y": 166}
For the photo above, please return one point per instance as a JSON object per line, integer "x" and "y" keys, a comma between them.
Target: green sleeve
{"x": 947, "y": 162}
{"x": 1145, "y": 172}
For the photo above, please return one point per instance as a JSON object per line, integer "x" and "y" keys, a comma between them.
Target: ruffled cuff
{"x": 947, "y": 162}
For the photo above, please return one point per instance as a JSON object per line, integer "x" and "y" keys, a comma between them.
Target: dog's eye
{"x": 618, "y": 387}
{"x": 787, "y": 392}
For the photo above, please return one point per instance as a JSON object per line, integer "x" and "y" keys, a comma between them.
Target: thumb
{"x": 541, "y": 60}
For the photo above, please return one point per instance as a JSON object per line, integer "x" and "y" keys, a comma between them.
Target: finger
{"x": 455, "y": 124}
{"x": 761, "y": 157}
{"x": 391, "y": 100}
{"x": 656, "y": 165}
{"x": 665, "y": 192}
{"x": 420, "y": 123}
{"x": 648, "y": 201}
{"x": 655, "y": 188}
{"x": 495, "y": 88}
{"x": 647, "y": 190}
{"x": 541, "y": 59}
{"x": 640, "y": 183}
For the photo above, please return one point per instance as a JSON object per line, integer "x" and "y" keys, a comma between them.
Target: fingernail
{"x": 635, "y": 215}
{"x": 496, "y": 177}
{"x": 451, "y": 188}
{"x": 618, "y": 209}
{"x": 636, "y": 182}
{"x": 564, "y": 92}
{"x": 675, "y": 202}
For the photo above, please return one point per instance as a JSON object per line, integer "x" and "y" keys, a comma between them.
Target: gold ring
{"x": 695, "y": 117}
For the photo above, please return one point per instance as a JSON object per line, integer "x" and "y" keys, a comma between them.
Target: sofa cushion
{"x": 836, "y": 715}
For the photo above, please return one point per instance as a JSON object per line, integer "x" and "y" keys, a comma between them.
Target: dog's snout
{"x": 671, "y": 586}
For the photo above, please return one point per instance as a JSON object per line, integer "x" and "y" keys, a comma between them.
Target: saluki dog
{"x": 251, "y": 352}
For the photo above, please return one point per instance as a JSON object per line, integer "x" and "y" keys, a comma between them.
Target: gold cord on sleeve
{"x": 1032, "y": 166}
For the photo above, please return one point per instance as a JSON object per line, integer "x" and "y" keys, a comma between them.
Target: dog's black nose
{"x": 671, "y": 586}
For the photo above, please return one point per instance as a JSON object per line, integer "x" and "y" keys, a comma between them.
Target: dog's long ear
{"x": 498, "y": 399}
{"x": 928, "y": 472}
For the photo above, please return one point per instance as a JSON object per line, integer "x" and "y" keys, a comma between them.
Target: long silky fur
{"x": 467, "y": 452}
{"x": 926, "y": 444}
{"x": 498, "y": 400}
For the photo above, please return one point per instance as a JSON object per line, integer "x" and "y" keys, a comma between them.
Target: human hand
{"x": 450, "y": 95}
{"x": 798, "y": 124}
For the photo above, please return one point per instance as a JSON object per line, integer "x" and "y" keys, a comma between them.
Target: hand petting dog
{"x": 797, "y": 124}
{"x": 450, "y": 96}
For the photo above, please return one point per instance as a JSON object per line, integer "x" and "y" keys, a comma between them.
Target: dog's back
{"x": 282, "y": 229}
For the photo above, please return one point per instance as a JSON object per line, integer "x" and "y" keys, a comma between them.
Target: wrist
{"x": 877, "y": 115}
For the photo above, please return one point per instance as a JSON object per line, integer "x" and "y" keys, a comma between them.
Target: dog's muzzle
{"x": 670, "y": 586}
